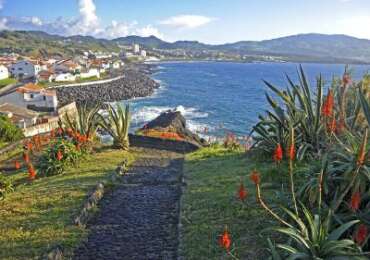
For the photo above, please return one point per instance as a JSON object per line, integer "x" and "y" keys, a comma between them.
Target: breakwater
{"x": 131, "y": 84}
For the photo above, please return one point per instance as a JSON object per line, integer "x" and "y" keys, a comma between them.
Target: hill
{"x": 302, "y": 47}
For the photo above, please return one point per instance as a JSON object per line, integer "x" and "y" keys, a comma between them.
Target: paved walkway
{"x": 139, "y": 219}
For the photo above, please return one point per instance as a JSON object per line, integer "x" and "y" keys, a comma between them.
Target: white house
{"x": 143, "y": 53}
{"x": 136, "y": 48}
{"x": 33, "y": 97}
{"x": 20, "y": 116}
{"x": 92, "y": 72}
{"x": 116, "y": 64}
{"x": 4, "y": 73}
{"x": 25, "y": 69}
{"x": 64, "y": 77}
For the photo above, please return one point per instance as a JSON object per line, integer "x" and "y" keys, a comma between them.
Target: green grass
{"x": 210, "y": 203}
{"x": 5, "y": 82}
{"x": 39, "y": 215}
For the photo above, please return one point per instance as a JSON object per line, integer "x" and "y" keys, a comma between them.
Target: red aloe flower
{"x": 332, "y": 125}
{"x": 29, "y": 146}
{"x": 346, "y": 79}
{"x": 17, "y": 165}
{"x": 355, "y": 201}
{"x": 225, "y": 240}
{"x": 31, "y": 172}
{"x": 361, "y": 234}
{"x": 242, "y": 193}
{"x": 328, "y": 105}
{"x": 255, "y": 177}
{"x": 59, "y": 155}
{"x": 291, "y": 152}
{"x": 26, "y": 157}
{"x": 278, "y": 154}
{"x": 78, "y": 147}
{"x": 60, "y": 131}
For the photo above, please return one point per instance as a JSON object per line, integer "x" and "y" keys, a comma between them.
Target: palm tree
{"x": 117, "y": 125}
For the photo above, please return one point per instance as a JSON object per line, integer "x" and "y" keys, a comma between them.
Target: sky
{"x": 208, "y": 21}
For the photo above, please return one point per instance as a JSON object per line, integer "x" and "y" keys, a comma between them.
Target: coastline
{"x": 135, "y": 82}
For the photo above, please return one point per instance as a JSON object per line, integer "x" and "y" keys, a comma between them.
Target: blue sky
{"x": 210, "y": 21}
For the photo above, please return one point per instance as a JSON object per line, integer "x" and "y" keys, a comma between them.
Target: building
{"x": 4, "y": 73}
{"x": 21, "y": 117}
{"x": 136, "y": 48}
{"x": 45, "y": 76}
{"x": 25, "y": 69}
{"x": 65, "y": 66}
{"x": 143, "y": 53}
{"x": 65, "y": 77}
{"x": 33, "y": 97}
{"x": 92, "y": 72}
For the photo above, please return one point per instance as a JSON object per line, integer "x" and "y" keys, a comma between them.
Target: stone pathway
{"x": 139, "y": 219}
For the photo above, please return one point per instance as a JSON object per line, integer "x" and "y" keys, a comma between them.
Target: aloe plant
{"x": 85, "y": 121}
{"x": 315, "y": 237}
{"x": 298, "y": 107}
{"x": 117, "y": 124}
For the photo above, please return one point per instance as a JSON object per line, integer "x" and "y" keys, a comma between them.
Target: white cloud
{"x": 1, "y": 4}
{"x": 187, "y": 21}
{"x": 355, "y": 26}
{"x": 3, "y": 24}
{"x": 87, "y": 23}
{"x": 148, "y": 30}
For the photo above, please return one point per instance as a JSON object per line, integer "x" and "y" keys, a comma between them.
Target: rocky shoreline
{"x": 136, "y": 82}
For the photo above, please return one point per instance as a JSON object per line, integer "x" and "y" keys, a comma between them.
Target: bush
{"x": 8, "y": 131}
{"x": 58, "y": 156}
{"x": 6, "y": 186}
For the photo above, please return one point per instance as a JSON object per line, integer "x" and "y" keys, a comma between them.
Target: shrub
{"x": 8, "y": 131}
{"x": 58, "y": 156}
{"x": 6, "y": 186}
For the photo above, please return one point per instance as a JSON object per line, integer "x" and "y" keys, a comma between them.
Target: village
{"x": 27, "y": 84}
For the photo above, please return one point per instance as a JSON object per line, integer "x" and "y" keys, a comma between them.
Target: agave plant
{"x": 297, "y": 107}
{"x": 315, "y": 237}
{"x": 117, "y": 124}
{"x": 85, "y": 122}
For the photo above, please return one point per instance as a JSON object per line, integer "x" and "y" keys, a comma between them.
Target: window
{"x": 44, "y": 97}
{"x": 31, "y": 96}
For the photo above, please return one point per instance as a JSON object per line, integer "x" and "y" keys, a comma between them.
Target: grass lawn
{"x": 5, "y": 82}
{"x": 39, "y": 215}
{"x": 210, "y": 202}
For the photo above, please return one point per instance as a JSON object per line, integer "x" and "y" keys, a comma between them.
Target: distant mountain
{"x": 302, "y": 47}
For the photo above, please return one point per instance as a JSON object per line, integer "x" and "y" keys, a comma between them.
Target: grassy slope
{"x": 39, "y": 216}
{"x": 210, "y": 202}
{"x": 5, "y": 82}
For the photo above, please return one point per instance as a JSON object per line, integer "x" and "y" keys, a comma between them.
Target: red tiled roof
{"x": 29, "y": 87}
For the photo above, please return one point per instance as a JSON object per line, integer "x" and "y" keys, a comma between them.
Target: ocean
{"x": 223, "y": 97}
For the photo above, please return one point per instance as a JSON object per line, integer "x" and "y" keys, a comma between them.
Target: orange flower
{"x": 291, "y": 152}
{"x": 361, "y": 155}
{"x": 78, "y": 147}
{"x": 59, "y": 155}
{"x": 355, "y": 201}
{"x": 31, "y": 172}
{"x": 17, "y": 165}
{"x": 225, "y": 240}
{"x": 332, "y": 126}
{"x": 29, "y": 146}
{"x": 255, "y": 177}
{"x": 328, "y": 105}
{"x": 278, "y": 154}
{"x": 26, "y": 157}
{"x": 361, "y": 234}
{"x": 60, "y": 131}
{"x": 242, "y": 192}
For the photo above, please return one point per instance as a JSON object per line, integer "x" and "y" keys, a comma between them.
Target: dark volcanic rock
{"x": 174, "y": 122}
{"x": 133, "y": 84}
